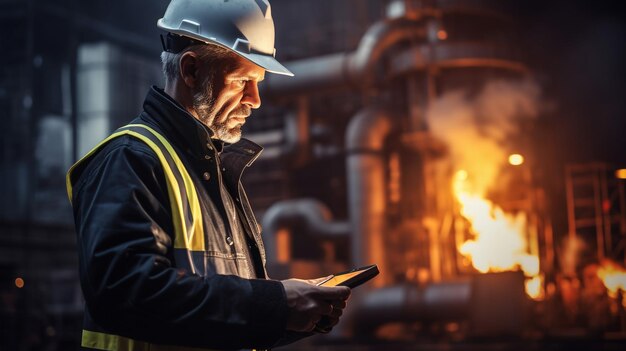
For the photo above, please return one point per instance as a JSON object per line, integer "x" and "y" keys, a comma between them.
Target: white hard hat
{"x": 245, "y": 27}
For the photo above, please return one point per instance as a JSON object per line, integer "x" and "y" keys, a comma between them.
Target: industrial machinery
{"x": 412, "y": 152}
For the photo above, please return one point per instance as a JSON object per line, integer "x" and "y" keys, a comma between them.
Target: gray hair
{"x": 211, "y": 55}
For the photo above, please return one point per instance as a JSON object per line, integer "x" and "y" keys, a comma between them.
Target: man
{"x": 170, "y": 253}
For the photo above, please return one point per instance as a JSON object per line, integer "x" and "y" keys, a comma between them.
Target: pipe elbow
{"x": 314, "y": 217}
{"x": 378, "y": 39}
{"x": 368, "y": 131}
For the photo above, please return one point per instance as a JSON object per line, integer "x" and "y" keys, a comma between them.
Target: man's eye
{"x": 240, "y": 83}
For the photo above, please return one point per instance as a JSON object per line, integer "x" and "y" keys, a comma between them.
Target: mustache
{"x": 242, "y": 111}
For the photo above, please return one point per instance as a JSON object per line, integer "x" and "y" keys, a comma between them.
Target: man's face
{"x": 224, "y": 100}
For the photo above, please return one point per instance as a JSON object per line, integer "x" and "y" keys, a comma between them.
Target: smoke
{"x": 477, "y": 127}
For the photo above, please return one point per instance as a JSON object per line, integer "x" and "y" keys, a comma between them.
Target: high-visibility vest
{"x": 188, "y": 225}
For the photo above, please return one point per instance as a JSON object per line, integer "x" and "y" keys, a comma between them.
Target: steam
{"x": 477, "y": 127}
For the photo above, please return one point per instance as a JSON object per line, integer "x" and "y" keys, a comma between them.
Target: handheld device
{"x": 352, "y": 278}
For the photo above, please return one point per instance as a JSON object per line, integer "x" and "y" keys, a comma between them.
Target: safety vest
{"x": 188, "y": 227}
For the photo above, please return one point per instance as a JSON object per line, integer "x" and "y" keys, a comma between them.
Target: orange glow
{"x": 461, "y": 175}
{"x": 516, "y": 159}
{"x": 283, "y": 245}
{"x": 499, "y": 242}
{"x": 620, "y": 173}
{"x": 614, "y": 278}
{"x": 442, "y": 34}
{"x": 19, "y": 282}
{"x": 534, "y": 287}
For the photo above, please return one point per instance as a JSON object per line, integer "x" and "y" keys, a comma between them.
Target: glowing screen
{"x": 338, "y": 279}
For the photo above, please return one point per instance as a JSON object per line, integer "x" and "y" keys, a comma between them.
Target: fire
{"x": 499, "y": 244}
{"x": 614, "y": 278}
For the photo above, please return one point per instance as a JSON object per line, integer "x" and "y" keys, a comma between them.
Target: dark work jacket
{"x": 128, "y": 265}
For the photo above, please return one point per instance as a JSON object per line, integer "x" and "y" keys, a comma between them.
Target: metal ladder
{"x": 596, "y": 207}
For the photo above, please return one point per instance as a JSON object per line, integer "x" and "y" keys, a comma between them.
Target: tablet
{"x": 352, "y": 278}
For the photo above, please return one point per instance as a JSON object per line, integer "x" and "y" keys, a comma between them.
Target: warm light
{"x": 499, "y": 242}
{"x": 19, "y": 282}
{"x": 442, "y": 34}
{"x": 620, "y": 173}
{"x": 461, "y": 175}
{"x": 614, "y": 278}
{"x": 534, "y": 287}
{"x": 516, "y": 159}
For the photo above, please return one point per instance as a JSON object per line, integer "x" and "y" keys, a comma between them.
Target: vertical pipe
{"x": 598, "y": 214}
{"x": 549, "y": 243}
{"x": 297, "y": 133}
{"x": 606, "y": 212}
{"x": 366, "y": 170}
{"x": 283, "y": 245}
{"x": 434, "y": 241}
{"x": 416, "y": 103}
{"x": 459, "y": 240}
{"x": 622, "y": 211}
{"x": 445, "y": 242}
{"x": 569, "y": 187}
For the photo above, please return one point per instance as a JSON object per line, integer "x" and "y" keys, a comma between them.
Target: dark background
{"x": 574, "y": 48}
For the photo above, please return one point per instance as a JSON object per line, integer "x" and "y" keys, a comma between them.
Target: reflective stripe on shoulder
{"x": 186, "y": 212}
{"x": 110, "y": 342}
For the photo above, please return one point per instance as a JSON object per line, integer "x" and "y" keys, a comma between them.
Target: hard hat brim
{"x": 267, "y": 62}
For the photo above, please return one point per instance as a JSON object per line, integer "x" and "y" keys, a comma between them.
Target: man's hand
{"x": 309, "y": 303}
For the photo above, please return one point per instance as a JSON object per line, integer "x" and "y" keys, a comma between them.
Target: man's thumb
{"x": 317, "y": 281}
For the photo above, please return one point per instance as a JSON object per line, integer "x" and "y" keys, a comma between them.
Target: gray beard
{"x": 204, "y": 103}
{"x": 204, "y": 106}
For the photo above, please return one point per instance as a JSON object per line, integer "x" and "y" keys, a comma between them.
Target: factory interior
{"x": 475, "y": 150}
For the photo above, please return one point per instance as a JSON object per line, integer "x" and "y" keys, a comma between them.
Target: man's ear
{"x": 189, "y": 69}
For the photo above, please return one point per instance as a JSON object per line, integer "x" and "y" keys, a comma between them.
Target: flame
{"x": 534, "y": 287}
{"x": 499, "y": 244}
{"x": 614, "y": 278}
{"x": 478, "y": 126}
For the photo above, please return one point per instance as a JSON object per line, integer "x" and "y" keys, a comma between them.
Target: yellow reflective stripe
{"x": 195, "y": 240}
{"x": 110, "y": 342}
{"x": 68, "y": 183}
{"x": 180, "y": 229}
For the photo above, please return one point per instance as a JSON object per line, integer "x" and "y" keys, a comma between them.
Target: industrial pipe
{"x": 342, "y": 70}
{"x": 493, "y": 304}
{"x": 375, "y": 43}
{"x": 437, "y": 302}
{"x": 310, "y": 213}
{"x": 366, "y": 172}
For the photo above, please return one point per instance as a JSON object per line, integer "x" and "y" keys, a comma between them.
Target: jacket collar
{"x": 177, "y": 123}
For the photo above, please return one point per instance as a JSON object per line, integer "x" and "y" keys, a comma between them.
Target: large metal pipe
{"x": 377, "y": 40}
{"x": 310, "y": 214}
{"x": 317, "y": 74}
{"x": 366, "y": 172}
{"x": 493, "y": 304}
{"x": 446, "y": 301}
{"x": 342, "y": 70}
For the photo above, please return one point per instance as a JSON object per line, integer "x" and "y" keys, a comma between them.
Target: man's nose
{"x": 251, "y": 95}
